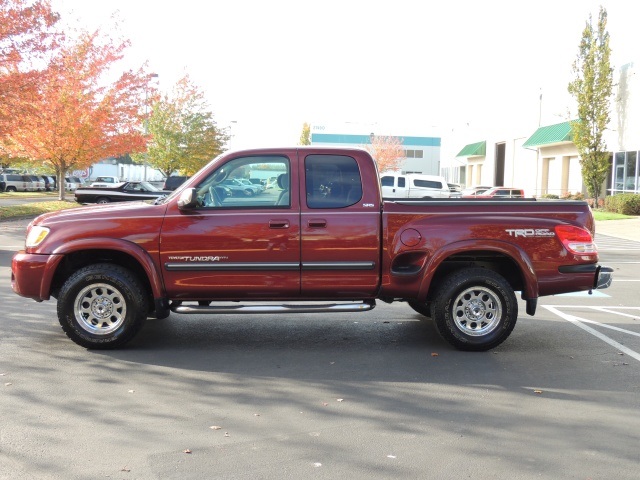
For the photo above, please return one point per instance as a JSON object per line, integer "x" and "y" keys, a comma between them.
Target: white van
{"x": 413, "y": 185}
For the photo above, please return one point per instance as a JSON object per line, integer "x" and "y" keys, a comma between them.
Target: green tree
{"x": 183, "y": 135}
{"x": 592, "y": 88}
{"x": 305, "y": 136}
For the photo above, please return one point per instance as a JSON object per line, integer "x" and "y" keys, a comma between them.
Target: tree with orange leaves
{"x": 26, "y": 37}
{"x": 79, "y": 117}
{"x": 386, "y": 151}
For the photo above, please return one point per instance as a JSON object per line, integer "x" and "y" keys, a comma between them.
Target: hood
{"x": 97, "y": 213}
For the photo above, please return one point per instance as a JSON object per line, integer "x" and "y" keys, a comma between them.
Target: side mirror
{"x": 188, "y": 199}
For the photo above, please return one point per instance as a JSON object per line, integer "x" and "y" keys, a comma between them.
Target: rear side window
{"x": 402, "y": 182}
{"x": 14, "y": 178}
{"x": 332, "y": 181}
{"x": 428, "y": 184}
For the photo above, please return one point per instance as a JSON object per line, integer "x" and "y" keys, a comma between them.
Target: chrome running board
{"x": 301, "y": 308}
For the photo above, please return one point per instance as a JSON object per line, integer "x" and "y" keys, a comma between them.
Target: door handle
{"x": 317, "y": 223}
{"x": 279, "y": 223}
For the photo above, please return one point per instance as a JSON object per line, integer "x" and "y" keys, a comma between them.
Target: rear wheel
{"x": 103, "y": 200}
{"x": 102, "y": 306}
{"x": 475, "y": 309}
{"x": 12, "y": 189}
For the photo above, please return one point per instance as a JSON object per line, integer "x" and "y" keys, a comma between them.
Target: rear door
{"x": 340, "y": 226}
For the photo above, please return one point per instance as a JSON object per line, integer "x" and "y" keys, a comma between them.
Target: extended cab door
{"x": 340, "y": 225}
{"x": 234, "y": 244}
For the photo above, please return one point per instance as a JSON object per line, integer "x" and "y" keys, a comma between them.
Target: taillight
{"x": 577, "y": 240}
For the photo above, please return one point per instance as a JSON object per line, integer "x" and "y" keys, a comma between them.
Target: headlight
{"x": 36, "y": 235}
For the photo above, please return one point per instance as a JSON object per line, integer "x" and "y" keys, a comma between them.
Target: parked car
{"x": 13, "y": 182}
{"x": 501, "y": 192}
{"x": 246, "y": 181}
{"x": 455, "y": 190}
{"x": 413, "y": 185}
{"x": 37, "y": 183}
{"x": 120, "y": 192}
{"x": 174, "y": 181}
{"x": 105, "y": 179}
{"x": 473, "y": 191}
{"x": 69, "y": 185}
{"x": 237, "y": 187}
{"x": 49, "y": 182}
{"x": 112, "y": 268}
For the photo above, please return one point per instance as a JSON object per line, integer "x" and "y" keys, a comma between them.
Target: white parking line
{"x": 578, "y": 322}
{"x": 606, "y": 310}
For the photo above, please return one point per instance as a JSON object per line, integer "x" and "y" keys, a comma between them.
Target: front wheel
{"x": 475, "y": 309}
{"x": 102, "y": 306}
{"x": 103, "y": 200}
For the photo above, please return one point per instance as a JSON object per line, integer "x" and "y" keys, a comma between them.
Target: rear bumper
{"x": 602, "y": 276}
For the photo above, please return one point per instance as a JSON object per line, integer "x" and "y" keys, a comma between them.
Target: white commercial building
{"x": 545, "y": 160}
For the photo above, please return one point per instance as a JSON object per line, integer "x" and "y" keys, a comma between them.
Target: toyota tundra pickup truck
{"x": 323, "y": 241}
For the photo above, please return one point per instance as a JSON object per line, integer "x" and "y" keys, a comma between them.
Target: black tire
{"x": 103, "y": 200}
{"x": 248, "y": 192}
{"x": 474, "y": 309}
{"x": 422, "y": 308}
{"x": 11, "y": 189}
{"x": 102, "y": 306}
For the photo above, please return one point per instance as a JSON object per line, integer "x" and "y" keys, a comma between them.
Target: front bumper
{"x": 31, "y": 274}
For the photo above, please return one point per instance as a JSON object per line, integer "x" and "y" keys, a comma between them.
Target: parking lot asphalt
{"x": 376, "y": 395}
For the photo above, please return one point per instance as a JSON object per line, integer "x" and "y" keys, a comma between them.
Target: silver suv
{"x": 14, "y": 182}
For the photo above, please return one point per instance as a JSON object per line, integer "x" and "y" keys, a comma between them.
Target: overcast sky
{"x": 415, "y": 67}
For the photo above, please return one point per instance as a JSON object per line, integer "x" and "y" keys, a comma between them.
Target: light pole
{"x": 146, "y": 121}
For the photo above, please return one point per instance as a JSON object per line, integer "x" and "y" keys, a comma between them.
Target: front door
{"x": 234, "y": 244}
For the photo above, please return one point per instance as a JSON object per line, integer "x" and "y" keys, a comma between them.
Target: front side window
{"x": 332, "y": 181}
{"x": 248, "y": 182}
{"x": 386, "y": 181}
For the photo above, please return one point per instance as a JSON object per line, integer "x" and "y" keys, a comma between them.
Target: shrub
{"x": 624, "y": 203}
{"x": 551, "y": 196}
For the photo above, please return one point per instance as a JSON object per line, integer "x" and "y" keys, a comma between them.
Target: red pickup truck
{"x": 323, "y": 240}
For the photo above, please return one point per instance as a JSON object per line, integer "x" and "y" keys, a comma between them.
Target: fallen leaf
{"x": 215, "y": 427}
{"x": 8, "y": 384}
{"x": 226, "y": 434}
{"x": 539, "y": 392}
{"x": 131, "y": 391}
{"x": 125, "y": 469}
{"x": 2, "y": 374}
{"x": 186, "y": 451}
{"x": 324, "y": 404}
{"x": 317, "y": 464}
{"x": 339, "y": 399}
{"x": 434, "y": 354}
{"x": 620, "y": 353}
{"x": 256, "y": 414}
{"x": 391, "y": 456}
{"x": 332, "y": 363}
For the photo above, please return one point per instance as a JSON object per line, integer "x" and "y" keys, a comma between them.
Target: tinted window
{"x": 332, "y": 181}
{"x": 225, "y": 188}
{"x": 14, "y": 178}
{"x": 401, "y": 182}
{"x": 427, "y": 184}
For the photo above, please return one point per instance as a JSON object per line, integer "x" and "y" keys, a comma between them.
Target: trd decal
{"x": 530, "y": 232}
